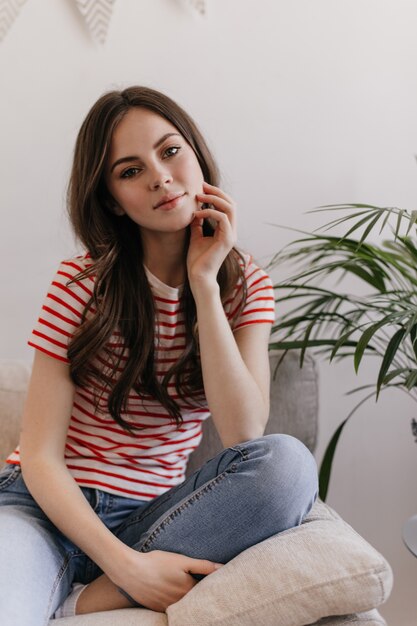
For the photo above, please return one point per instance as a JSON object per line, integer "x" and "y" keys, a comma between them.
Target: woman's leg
{"x": 242, "y": 496}
{"x": 35, "y": 569}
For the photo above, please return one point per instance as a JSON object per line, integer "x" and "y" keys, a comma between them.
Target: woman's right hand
{"x": 158, "y": 579}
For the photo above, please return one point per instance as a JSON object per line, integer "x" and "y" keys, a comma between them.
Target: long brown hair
{"x": 122, "y": 298}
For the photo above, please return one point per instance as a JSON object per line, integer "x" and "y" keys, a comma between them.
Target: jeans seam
{"x": 58, "y": 579}
{"x": 110, "y": 504}
{"x": 12, "y": 478}
{"x": 195, "y": 496}
{"x": 244, "y": 452}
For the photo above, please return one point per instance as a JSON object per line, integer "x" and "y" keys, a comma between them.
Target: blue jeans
{"x": 242, "y": 496}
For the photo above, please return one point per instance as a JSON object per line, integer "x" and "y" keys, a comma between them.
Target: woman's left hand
{"x": 206, "y": 254}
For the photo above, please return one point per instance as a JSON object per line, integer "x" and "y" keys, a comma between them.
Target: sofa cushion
{"x": 370, "y": 618}
{"x": 143, "y": 617}
{"x": 318, "y": 569}
{"x": 301, "y": 576}
{"x": 122, "y": 617}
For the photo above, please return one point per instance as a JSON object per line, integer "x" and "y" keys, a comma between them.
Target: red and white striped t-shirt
{"x": 99, "y": 453}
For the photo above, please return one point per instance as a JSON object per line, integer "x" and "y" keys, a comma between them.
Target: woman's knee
{"x": 33, "y": 565}
{"x": 25, "y": 533}
{"x": 287, "y": 475}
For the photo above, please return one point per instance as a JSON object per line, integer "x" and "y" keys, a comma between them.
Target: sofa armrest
{"x": 14, "y": 378}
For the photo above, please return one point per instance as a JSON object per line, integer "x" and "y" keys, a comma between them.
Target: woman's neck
{"x": 164, "y": 256}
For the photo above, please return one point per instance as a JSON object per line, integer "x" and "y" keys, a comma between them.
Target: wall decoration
{"x": 97, "y": 14}
{"x": 200, "y": 5}
{"x": 9, "y": 10}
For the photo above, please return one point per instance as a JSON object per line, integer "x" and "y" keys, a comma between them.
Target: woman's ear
{"x": 113, "y": 207}
{"x": 117, "y": 210}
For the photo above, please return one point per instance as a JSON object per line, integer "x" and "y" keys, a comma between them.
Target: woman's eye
{"x": 131, "y": 171}
{"x": 172, "y": 151}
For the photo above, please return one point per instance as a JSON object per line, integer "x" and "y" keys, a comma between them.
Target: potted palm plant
{"x": 340, "y": 325}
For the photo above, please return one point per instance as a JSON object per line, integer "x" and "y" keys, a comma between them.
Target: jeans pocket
{"x": 8, "y": 475}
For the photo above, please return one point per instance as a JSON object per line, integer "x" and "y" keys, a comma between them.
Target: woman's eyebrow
{"x": 135, "y": 158}
{"x": 160, "y": 141}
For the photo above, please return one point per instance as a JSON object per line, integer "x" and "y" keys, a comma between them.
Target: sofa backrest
{"x": 294, "y": 405}
{"x": 14, "y": 378}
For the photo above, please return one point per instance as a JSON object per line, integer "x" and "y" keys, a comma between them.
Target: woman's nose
{"x": 160, "y": 177}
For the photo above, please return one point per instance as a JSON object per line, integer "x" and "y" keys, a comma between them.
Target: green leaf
{"x": 361, "y": 222}
{"x": 394, "y": 373}
{"x": 413, "y": 336}
{"x": 357, "y": 210}
{"x": 280, "y": 360}
{"x": 411, "y": 380}
{"x": 341, "y": 342}
{"x": 399, "y": 218}
{"x": 341, "y": 220}
{"x": 413, "y": 220}
{"x": 389, "y": 356}
{"x": 327, "y": 462}
{"x": 372, "y": 279}
{"x": 364, "y": 341}
{"x": 361, "y": 388}
{"x": 299, "y": 344}
{"x": 370, "y": 226}
{"x": 407, "y": 243}
{"x": 306, "y": 342}
{"x": 384, "y": 223}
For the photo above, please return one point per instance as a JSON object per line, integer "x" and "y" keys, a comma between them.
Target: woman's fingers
{"x": 223, "y": 213}
{"x": 217, "y": 201}
{"x": 218, "y": 215}
{"x": 222, "y": 207}
{"x": 217, "y": 191}
{"x": 222, "y": 218}
{"x": 201, "y": 566}
{"x": 217, "y": 197}
{"x": 196, "y": 226}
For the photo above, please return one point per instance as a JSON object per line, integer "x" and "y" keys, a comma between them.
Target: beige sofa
{"x": 320, "y": 573}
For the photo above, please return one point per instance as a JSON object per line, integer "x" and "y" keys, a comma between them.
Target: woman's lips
{"x": 170, "y": 204}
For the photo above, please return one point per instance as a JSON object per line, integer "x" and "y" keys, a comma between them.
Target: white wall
{"x": 304, "y": 103}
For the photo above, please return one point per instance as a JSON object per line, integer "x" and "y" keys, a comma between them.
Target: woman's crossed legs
{"x": 242, "y": 496}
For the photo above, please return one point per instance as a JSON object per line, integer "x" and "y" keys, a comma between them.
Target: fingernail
{"x": 218, "y": 565}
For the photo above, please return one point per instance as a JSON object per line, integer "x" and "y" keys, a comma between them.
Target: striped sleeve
{"x": 62, "y": 310}
{"x": 260, "y": 303}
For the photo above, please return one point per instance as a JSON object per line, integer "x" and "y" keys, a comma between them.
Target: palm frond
{"x": 338, "y": 325}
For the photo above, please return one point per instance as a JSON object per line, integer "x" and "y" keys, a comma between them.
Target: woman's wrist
{"x": 204, "y": 287}
{"x": 117, "y": 563}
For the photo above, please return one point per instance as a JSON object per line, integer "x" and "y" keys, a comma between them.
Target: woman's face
{"x": 152, "y": 172}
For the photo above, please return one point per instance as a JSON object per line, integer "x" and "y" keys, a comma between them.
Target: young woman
{"x": 161, "y": 322}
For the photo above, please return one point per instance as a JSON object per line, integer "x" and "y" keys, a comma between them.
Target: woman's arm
{"x": 155, "y": 579}
{"x": 45, "y": 423}
{"x": 235, "y": 366}
{"x": 235, "y": 370}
